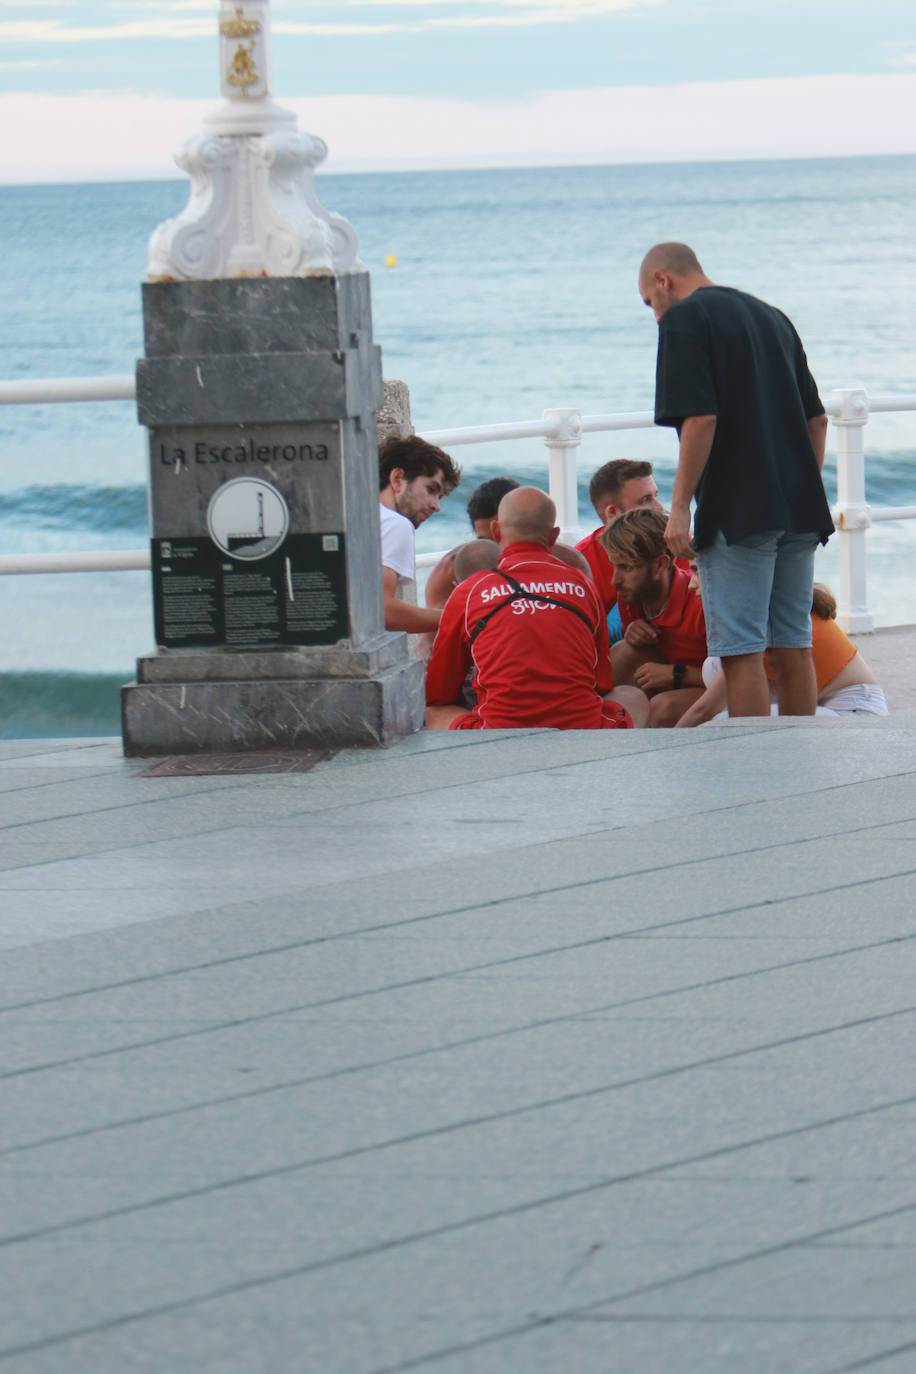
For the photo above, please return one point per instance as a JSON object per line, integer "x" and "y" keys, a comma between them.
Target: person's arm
{"x": 604, "y": 673}
{"x": 441, "y": 582}
{"x": 708, "y": 705}
{"x": 639, "y": 634}
{"x": 817, "y": 429}
{"x": 635, "y": 629}
{"x": 697, "y": 433}
{"x": 451, "y": 656}
{"x": 659, "y": 677}
{"x": 401, "y": 615}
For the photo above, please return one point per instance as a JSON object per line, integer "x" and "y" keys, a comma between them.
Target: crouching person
{"x": 664, "y": 632}
{"x": 535, "y": 633}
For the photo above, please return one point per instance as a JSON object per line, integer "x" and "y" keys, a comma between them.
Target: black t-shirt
{"x": 722, "y": 352}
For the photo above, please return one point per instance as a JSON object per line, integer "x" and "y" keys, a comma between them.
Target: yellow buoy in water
{"x": 390, "y": 260}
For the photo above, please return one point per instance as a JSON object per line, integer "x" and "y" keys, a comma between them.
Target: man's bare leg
{"x": 625, "y": 660}
{"x": 632, "y": 700}
{"x": 666, "y": 709}
{"x": 796, "y": 681}
{"x": 441, "y": 717}
{"x": 746, "y": 685}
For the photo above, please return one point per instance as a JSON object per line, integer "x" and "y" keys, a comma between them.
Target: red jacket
{"x": 536, "y": 663}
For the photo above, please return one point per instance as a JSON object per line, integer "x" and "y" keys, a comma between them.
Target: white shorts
{"x": 863, "y": 698}
{"x": 860, "y": 698}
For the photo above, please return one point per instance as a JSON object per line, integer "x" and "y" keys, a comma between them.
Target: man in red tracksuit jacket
{"x": 536, "y": 634}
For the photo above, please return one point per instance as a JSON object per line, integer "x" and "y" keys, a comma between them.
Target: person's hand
{"x": 423, "y": 647}
{"x": 654, "y": 677}
{"x": 640, "y": 634}
{"x": 677, "y": 532}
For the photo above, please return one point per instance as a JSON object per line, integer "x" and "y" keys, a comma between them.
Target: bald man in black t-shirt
{"x": 733, "y": 379}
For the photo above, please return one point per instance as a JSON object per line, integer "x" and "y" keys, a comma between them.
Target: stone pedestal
{"x": 260, "y": 396}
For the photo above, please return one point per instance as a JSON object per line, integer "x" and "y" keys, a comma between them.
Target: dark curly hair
{"x": 416, "y": 458}
{"x": 483, "y": 502}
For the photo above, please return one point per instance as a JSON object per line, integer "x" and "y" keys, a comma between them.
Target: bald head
{"x": 526, "y": 515}
{"x": 475, "y": 556}
{"x": 669, "y": 272}
{"x": 676, "y": 258}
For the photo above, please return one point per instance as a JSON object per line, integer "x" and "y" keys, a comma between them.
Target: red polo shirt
{"x": 681, "y": 626}
{"x": 602, "y": 568}
{"x": 535, "y": 663}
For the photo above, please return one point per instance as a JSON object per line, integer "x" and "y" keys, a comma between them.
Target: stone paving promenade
{"x": 524, "y": 1052}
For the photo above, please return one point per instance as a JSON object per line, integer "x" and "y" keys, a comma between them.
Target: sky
{"x": 94, "y": 90}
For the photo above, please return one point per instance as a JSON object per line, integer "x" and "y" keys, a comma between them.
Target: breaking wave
{"x": 72, "y": 508}
{"x": 42, "y": 705}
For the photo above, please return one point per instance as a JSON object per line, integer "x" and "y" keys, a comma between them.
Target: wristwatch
{"x": 677, "y": 673}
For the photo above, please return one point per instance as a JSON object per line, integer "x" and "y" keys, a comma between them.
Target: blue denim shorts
{"x": 757, "y": 593}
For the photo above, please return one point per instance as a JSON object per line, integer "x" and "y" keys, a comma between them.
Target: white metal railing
{"x": 562, "y": 430}
{"x": 54, "y": 389}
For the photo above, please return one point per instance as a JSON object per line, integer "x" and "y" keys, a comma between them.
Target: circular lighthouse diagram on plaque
{"x": 247, "y": 518}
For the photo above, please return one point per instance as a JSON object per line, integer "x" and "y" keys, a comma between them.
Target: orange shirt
{"x": 831, "y": 650}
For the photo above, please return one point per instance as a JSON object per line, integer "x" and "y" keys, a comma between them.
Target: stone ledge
{"x": 258, "y": 388}
{"x": 253, "y": 315}
{"x": 237, "y": 717}
{"x": 374, "y": 656}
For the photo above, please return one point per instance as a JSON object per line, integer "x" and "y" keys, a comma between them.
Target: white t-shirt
{"x": 398, "y": 544}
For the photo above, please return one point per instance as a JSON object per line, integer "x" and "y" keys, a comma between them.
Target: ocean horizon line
{"x": 421, "y": 168}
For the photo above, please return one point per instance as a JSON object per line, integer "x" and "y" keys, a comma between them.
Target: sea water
{"x": 512, "y": 291}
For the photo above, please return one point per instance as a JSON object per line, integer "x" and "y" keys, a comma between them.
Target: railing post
{"x": 562, "y": 442}
{"x": 852, "y": 512}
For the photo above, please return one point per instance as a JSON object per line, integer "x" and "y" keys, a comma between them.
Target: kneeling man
{"x": 664, "y": 632}
{"x": 534, "y": 631}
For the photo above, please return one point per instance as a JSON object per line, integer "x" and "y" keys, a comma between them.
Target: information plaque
{"x": 293, "y": 593}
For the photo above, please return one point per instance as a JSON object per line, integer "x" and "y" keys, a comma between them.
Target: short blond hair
{"x": 610, "y": 479}
{"x": 637, "y": 536}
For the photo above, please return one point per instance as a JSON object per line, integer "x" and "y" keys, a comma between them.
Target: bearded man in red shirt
{"x": 664, "y": 631}
{"x": 535, "y": 632}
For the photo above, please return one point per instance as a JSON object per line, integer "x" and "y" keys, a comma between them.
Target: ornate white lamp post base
{"x": 252, "y": 211}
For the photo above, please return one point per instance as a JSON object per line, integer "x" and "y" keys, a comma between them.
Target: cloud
{"x": 54, "y": 31}
{"x": 575, "y": 7}
{"x": 401, "y": 17}
{"x": 127, "y": 136}
{"x": 503, "y": 14}
{"x": 535, "y": 10}
{"x": 30, "y": 64}
{"x": 787, "y": 117}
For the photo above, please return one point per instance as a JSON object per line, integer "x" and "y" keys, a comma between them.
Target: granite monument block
{"x": 260, "y": 397}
